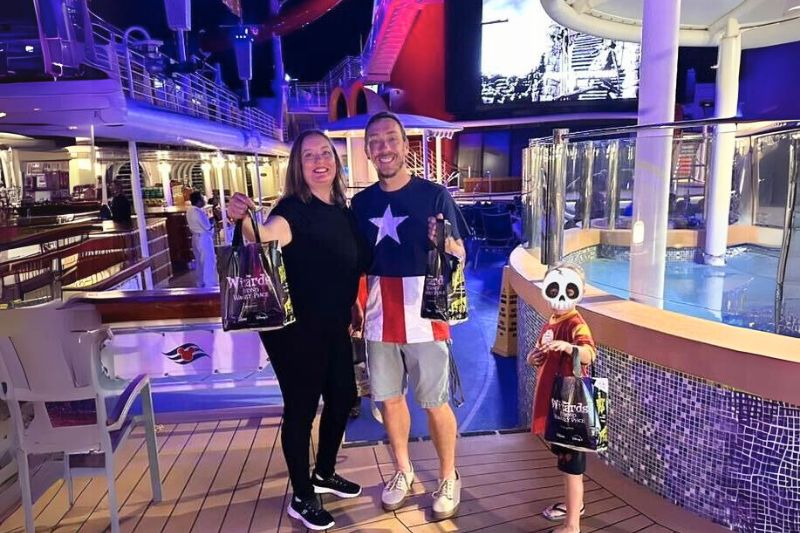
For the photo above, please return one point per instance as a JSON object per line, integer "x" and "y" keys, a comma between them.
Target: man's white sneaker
{"x": 446, "y": 498}
{"x": 396, "y": 491}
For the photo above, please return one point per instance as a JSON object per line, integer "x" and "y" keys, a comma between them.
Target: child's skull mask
{"x": 563, "y": 289}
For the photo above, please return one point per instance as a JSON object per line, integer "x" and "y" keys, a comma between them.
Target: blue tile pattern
{"x": 723, "y": 454}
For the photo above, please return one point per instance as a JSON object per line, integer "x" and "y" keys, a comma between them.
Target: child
{"x": 564, "y": 335}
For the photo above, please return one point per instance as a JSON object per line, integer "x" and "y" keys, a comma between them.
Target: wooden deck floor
{"x": 230, "y": 475}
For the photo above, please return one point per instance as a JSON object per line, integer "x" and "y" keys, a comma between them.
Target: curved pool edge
{"x": 759, "y": 363}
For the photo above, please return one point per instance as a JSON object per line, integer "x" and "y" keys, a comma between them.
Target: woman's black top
{"x": 323, "y": 261}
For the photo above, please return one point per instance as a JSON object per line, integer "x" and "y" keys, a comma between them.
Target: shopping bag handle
{"x": 238, "y": 238}
{"x": 577, "y": 370}
{"x": 443, "y": 231}
{"x": 576, "y": 362}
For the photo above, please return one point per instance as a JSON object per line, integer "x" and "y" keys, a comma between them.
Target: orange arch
{"x": 364, "y": 101}
{"x": 337, "y": 105}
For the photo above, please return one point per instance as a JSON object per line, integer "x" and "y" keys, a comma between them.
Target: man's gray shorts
{"x": 425, "y": 364}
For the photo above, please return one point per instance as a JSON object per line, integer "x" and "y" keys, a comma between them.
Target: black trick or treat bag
{"x": 577, "y": 414}
{"x": 252, "y": 284}
{"x": 444, "y": 295}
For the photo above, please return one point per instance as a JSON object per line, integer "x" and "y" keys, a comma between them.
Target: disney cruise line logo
{"x": 186, "y": 353}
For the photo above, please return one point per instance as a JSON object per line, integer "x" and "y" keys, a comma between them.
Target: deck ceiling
{"x": 764, "y": 22}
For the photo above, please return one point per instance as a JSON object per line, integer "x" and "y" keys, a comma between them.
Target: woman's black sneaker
{"x": 335, "y": 484}
{"x": 310, "y": 512}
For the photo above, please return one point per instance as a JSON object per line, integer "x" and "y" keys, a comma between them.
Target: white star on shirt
{"x": 387, "y": 225}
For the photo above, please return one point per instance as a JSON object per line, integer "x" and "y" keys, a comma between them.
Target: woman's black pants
{"x": 312, "y": 362}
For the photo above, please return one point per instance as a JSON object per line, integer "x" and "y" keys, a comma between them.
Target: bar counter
{"x": 157, "y": 306}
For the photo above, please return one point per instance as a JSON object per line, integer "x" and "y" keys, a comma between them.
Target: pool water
{"x": 742, "y": 293}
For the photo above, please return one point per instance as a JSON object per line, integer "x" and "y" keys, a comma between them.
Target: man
{"x": 120, "y": 205}
{"x": 202, "y": 241}
{"x": 397, "y": 216}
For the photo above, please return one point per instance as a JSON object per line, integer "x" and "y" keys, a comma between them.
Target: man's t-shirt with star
{"x": 395, "y": 225}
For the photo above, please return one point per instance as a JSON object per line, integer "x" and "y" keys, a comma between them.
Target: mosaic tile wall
{"x": 726, "y": 455}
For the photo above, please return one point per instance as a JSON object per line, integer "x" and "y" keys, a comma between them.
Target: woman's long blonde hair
{"x": 295, "y": 185}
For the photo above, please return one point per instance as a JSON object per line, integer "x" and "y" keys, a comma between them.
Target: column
{"x": 360, "y": 166}
{"x": 233, "y": 177}
{"x": 718, "y": 201}
{"x": 257, "y": 178}
{"x": 138, "y": 206}
{"x": 93, "y": 163}
{"x": 350, "y": 180}
{"x": 439, "y": 173}
{"x": 219, "y": 165}
{"x": 426, "y": 170}
{"x": 164, "y": 169}
{"x": 278, "y": 81}
{"x": 659, "y": 65}
{"x": 208, "y": 188}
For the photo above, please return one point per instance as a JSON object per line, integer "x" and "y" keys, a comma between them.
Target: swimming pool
{"x": 742, "y": 293}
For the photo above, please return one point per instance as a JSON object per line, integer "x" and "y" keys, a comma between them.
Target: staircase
{"x": 391, "y": 23}
{"x": 451, "y": 174}
{"x": 689, "y": 161}
{"x": 583, "y": 51}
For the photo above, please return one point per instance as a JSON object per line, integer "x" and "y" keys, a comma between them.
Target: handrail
{"x": 349, "y": 68}
{"x": 193, "y": 94}
{"x": 414, "y": 161}
{"x": 680, "y": 125}
{"x": 316, "y": 94}
{"x": 124, "y": 272}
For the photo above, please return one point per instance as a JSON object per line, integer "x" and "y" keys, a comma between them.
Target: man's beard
{"x": 392, "y": 173}
{"x": 389, "y": 176}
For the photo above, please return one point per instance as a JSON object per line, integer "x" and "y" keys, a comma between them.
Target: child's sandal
{"x": 558, "y": 511}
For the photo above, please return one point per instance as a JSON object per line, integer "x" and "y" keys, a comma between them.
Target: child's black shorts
{"x": 569, "y": 461}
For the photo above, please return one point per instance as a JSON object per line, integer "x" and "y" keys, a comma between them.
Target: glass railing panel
{"x": 602, "y": 159}
{"x": 757, "y": 286}
{"x": 572, "y": 189}
{"x": 742, "y": 293}
{"x": 772, "y": 179}
{"x": 626, "y": 154}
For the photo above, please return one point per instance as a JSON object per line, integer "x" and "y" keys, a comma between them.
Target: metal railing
{"x": 597, "y": 167}
{"x": 192, "y": 94}
{"x": 346, "y": 70}
{"x": 599, "y": 172}
{"x": 451, "y": 174}
{"x": 314, "y": 97}
{"x": 307, "y": 97}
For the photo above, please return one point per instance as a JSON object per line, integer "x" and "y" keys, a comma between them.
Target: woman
{"x": 313, "y": 356}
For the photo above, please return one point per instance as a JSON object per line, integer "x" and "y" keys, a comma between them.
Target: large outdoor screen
{"x": 527, "y": 58}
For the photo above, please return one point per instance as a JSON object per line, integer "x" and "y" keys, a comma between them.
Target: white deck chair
{"x": 49, "y": 355}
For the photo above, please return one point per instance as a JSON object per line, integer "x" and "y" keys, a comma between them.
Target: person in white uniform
{"x": 202, "y": 241}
